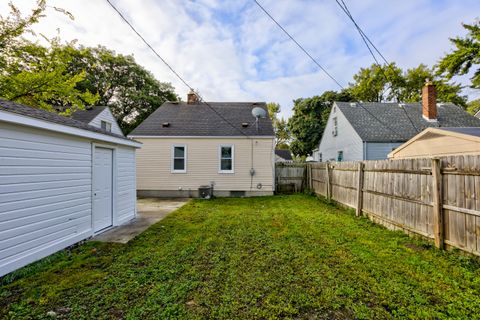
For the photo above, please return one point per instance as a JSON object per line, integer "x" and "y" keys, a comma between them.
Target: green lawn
{"x": 273, "y": 257}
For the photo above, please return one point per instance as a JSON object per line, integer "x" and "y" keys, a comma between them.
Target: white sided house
{"x": 188, "y": 146}
{"x": 370, "y": 131}
{"x": 61, "y": 181}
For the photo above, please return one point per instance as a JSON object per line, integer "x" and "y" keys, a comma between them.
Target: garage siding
{"x": 126, "y": 186}
{"x": 45, "y": 193}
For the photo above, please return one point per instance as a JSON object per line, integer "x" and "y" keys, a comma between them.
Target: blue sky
{"x": 230, "y": 51}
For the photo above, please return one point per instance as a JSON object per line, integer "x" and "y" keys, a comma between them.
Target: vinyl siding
{"x": 379, "y": 150}
{"x": 154, "y": 164}
{"x": 106, "y": 115}
{"x": 45, "y": 193}
{"x": 346, "y": 140}
{"x": 126, "y": 190}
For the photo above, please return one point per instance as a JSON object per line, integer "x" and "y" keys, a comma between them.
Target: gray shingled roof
{"x": 470, "y": 131}
{"x": 24, "y": 110}
{"x": 382, "y": 122}
{"x": 284, "y": 154}
{"x": 200, "y": 120}
{"x": 88, "y": 115}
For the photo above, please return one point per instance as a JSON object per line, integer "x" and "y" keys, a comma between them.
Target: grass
{"x": 273, "y": 257}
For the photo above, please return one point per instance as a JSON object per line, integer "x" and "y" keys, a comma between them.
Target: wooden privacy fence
{"x": 435, "y": 198}
{"x": 290, "y": 177}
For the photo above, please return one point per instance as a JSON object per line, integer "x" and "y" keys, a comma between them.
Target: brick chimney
{"x": 429, "y": 101}
{"x": 192, "y": 97}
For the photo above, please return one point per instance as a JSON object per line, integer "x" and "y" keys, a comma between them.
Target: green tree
{"x": 131, "y": 92}
{"x": 309, "y": 118}
{"x": 414, "y": 80}
{"x": 377, "y": 83}
{"x": 35, "y": 75}
{"x": 390, "y": 83}
{"x": 279, "y": 126}
{"x": 465, "y": 56}
{"x": 473, "y": 106}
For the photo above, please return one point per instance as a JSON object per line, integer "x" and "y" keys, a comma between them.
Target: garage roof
{"x": 20, "y": 109}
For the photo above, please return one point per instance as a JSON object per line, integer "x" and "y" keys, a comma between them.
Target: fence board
{"x": 399, "y": 195}
{"x": 290, "y": 177}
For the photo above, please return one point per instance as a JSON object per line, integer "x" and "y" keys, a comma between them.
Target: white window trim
{"x": 107, "y": 124}
{"x": 172, "y": 158}
{"x": 220, "y": 158}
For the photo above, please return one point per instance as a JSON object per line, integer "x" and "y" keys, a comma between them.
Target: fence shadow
{"x": 438, "y": 199}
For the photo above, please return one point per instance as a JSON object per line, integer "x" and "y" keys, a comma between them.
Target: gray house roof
{"x": 182, "y": 119}
{"x": 89, "y": 114}
{"x": 13, "y": 107}
{"x": 388, "y": 122}
{"x": 470, "y": 131}
{"x": 284, "y": 154}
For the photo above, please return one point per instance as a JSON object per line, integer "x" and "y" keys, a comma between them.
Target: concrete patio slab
{"x": 149, "y": 211}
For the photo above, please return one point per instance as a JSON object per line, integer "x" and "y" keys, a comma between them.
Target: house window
{"x": 335, "y": 127}
{"x": 340, "y": 156}
{"x": 107, "y": 126}
{"x": 320, "y": 157}
{"x": 226, "y": 155}
{"x": 179, "y": 159}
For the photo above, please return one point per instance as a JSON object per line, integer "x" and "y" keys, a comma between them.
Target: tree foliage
{"x": 36, "y": 75}
{"x": 391, "y": 83}
{"x": 473, "y": 106}
{"x": 309, "y": 118}
{"x": 65, "y": 77}
{"x": 465, "y": 56}
{"x": 131, "y": 92}
{"x": 279, "y": 126}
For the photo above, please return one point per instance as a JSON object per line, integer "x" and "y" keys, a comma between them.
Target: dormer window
{"x": 107, "y": 126}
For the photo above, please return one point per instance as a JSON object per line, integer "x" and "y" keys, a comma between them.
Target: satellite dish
{"x": 258, "y": 112}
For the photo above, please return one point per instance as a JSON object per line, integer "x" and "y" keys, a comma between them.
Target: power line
{"x": 173, "y": 70}
{"x": 368, "y": 43}
{"x": 345, "y": 9}
{"x": 298, "y": 44}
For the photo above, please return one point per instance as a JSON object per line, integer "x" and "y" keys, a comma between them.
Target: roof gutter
{"x": 46, "y": 125}
{"x": 199, "y": 137}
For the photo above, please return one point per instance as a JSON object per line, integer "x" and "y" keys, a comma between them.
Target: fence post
{"x": 329, "y": 187}
{"x": 438, "y": 223}
{"x": 360, "y": 190}
{"x": 309, "y": 173}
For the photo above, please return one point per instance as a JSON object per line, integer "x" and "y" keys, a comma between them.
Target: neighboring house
{"x": 370, "y": 131}
{"x": 100, "y": 117}
{"x": 477, "y": 114}
{"x": 283, "y": 155}
{"x": 61, "y": 181}
{"x": 189, "y": 145}
{"x": 438, "y": 142}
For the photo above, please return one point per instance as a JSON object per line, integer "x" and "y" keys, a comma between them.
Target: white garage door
{"x": 102, "y": 189}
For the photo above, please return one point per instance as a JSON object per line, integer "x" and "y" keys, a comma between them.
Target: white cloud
{"x": 229, "y": 50}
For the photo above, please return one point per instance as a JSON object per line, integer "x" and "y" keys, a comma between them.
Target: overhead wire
{"x": 369, "y": 42}
{"x": 298, "y": 44}
{"x": 172, "y": 69}
{"x": 183, "y": 80}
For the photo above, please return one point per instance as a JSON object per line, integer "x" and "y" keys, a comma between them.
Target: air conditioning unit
{"x": 205, "y": 192}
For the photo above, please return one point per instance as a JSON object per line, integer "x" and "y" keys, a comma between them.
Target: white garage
{"x": 61, "y": 181}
